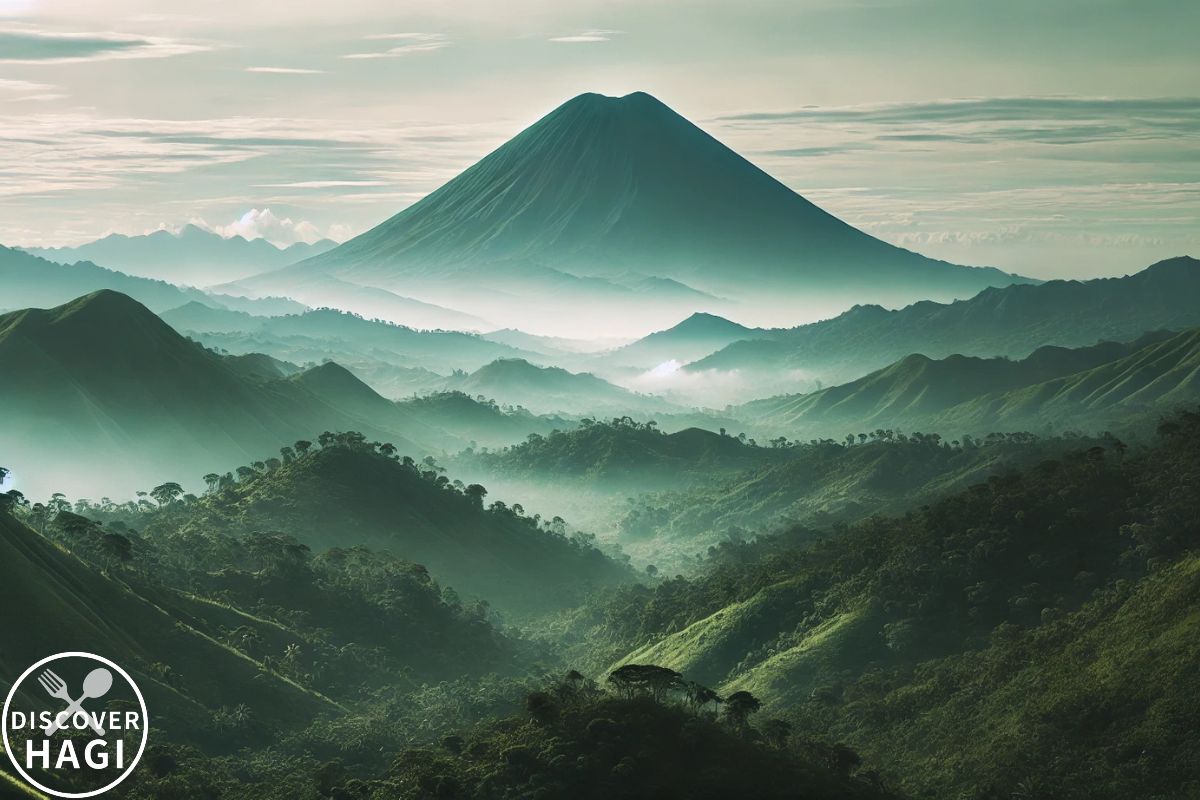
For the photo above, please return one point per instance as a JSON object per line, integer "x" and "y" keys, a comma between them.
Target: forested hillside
{"x": 947, "y": 645}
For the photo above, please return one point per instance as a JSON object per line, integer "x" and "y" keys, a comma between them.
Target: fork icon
{"x": 96, "y": 684}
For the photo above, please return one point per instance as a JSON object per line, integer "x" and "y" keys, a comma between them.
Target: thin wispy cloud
{"x": 319, "y": 184}
{"x": 23, "y": 86}
{"x": 587, "y": 37}
{"x": 410, "y": 44}
{"x": 286, "y": 70}
{"x": 987, "y": 109}
{"x": 28, "y": 44}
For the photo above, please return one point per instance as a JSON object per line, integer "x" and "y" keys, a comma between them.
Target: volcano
{"x": 604, "y": 193}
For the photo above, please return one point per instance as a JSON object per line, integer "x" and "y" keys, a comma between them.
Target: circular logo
{"x": 74, "y": 725}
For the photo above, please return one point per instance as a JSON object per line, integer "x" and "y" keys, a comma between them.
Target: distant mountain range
{"x": 1110, "y": 384}
{"x": 29, "y": 281}
{"x": 192, "y": 256}
{"x": 619, "y": 204}
{"x": 325, "y": 333}
{"x": 132, "y": 400}
{"x": 1009, "y": 321}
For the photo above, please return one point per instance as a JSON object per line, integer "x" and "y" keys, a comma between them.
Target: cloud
{"x": 28, "y": 91}
{"x": 27, "y": 44}
{"x": 413, "y": 44}
{"x": 263, "y": 224}
{"x": 587, "y": 37}
{"x": 991, "y": 120}
{"x": 286, "y": 70}
{"x": 986, "y": 108}
{"x": 319, "y": 184}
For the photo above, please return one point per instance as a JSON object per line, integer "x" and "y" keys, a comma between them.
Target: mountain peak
{"x": 608, "y": 186}
{"x": 104, "y": 301}
{"x": 703, "y": 324}
{"x": 1178, "y": 264}
{"x": 631, "y": 100}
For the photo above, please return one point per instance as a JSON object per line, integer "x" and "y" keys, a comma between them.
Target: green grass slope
{"x": 1157, "y": 377}
{"x": 64, "y": 604}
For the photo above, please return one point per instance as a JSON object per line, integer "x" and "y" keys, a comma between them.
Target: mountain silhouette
{"x": 1011, "y": 321}
{"x": 551, "y": 389}
{"x": 605, "y": 188}
{"x": 693, "y": 338}
{"x": 192, "y": 255}
{"x": 103, "y": 378}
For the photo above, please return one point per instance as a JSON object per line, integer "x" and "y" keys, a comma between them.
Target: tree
{"x": 212, "y": 480}
{"x": 649, "y": 680}
{"x": 739, "y": 706}
{"x": 302, "y": 446}
{"x": 476, "y": 492}
{"x": 699, "y": 695}
{"x": 166, "y": 493}
{"x": 10, "y": 500}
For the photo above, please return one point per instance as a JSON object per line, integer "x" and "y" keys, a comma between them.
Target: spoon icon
{"x": 96, "y": 684}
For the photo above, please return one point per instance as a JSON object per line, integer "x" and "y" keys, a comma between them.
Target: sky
{"x": 1054, "y": 138}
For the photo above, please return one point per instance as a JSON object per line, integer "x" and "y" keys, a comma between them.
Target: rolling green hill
{"x": 346, "y": 493}
{"x": 1158, "y": 377}
{"x": 1010, "y": 321}
{"x": 625, "y": 455}
{"x": 918, "y": 392}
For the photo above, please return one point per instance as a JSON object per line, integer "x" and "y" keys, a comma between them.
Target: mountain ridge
{"x": 1000, "y": 321}
{"x": 192, "y": 255}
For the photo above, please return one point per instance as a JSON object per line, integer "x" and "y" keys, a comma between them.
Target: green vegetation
{"x": 625, "y": 453}
{"x": 667, "y": 498}
{"x": 345, "y": 491}
{"x": 1034, "y": 635}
